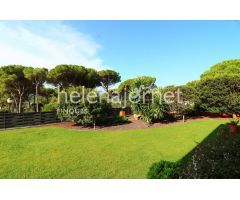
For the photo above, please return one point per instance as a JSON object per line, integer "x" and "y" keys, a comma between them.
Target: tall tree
{"x": 63, "y": 75}
{"x": 14, "y": 82}
{"x": 50, "y": 94}
{"x": 219, "y": 87}
{"x": 219, "y": 95}
{"x": 37, "y": 76}
{"x": 130, "y": 84}
{"x": 72, "y": 76}
{"x": 183, "y": 99}
{"x": 92, "y": 78}
{"x": 227, "y": 68}
{"x": 108, "y": 78}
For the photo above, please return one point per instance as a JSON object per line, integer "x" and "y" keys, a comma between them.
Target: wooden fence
{"x": 12, "y": 120}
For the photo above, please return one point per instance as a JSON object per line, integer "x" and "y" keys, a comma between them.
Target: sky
{"x": 175, "y": 52}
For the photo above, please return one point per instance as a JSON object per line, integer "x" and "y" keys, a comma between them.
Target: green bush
{"x": 220, "y": 94}
{"x": 49, "y": 107}
{"x": 218, "y": 157}
{"x": 119, "y": 119}
{"x": 151, "y": 111}
{"x": 219, "y": 89}
{"x": 4, "y": 110}
{"x": 91, "y": 114}
{"x": 163, "y": 170}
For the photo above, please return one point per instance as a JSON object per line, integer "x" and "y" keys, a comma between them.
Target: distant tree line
{"x": 24, "y": 84}
{"x": 217, "y": 90}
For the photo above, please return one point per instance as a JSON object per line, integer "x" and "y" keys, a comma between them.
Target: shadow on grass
{"x": 217, "y": 156}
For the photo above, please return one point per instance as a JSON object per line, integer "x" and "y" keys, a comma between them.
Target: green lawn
{"x": 51, "y": 152}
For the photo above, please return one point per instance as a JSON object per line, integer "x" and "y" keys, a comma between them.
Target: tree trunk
{"x": 107, "y": 83}
{"x": 183, "y": 118}
{"x": 107, "y": 88}
{"x": 20, "y": 104}
{"x": 15, "y": 107}
{"x": 34, "y": 99}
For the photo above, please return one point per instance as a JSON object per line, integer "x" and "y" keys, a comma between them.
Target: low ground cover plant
{"x": 163, "y": 170}
{"x": 216, "y": 157}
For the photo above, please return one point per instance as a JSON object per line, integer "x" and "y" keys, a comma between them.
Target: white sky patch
{"x": 46, "y": 44}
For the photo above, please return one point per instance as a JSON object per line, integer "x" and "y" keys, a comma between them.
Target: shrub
{"x": 119, "y": 119}
{"x": 49, "y": 107}
{"x": 91, "y": 114}
{"x": 163, "y": 170}
{"x": 98, "y": 111}
{"x": 151, "y": 111}
{"x": 218, "y": 157}
{"x": 184, "y": 102}
{"x": 4, "y": 110}
{"x": 219, "y": 88}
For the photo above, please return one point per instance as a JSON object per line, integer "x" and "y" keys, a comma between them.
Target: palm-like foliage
{"x": 153, "y": 110}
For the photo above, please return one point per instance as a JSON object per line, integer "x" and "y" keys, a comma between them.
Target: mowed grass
{"x": 52, "y": 152}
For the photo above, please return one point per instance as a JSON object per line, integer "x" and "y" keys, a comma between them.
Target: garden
{"x": 133, "y": 130}
{"x": 54, "y": 152}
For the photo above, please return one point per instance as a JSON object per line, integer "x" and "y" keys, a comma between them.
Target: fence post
{"x": 41, "y": 118}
